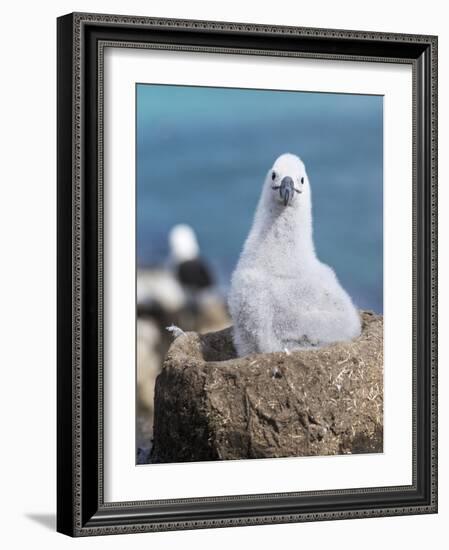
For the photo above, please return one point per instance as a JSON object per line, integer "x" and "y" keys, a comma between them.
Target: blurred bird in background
{"x": 181, "y": 293}
{"x": 191, "y": 270}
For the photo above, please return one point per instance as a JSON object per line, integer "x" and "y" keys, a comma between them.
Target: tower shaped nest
{"x": 212, "y": 405}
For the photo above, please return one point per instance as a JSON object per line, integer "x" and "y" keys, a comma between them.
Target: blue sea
{"x": 203, "y": 153}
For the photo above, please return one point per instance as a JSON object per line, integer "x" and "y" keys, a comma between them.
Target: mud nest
{"x": 212, "y": 405}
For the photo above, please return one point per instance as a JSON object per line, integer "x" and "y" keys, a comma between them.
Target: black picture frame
{"x": 81, "y": 509}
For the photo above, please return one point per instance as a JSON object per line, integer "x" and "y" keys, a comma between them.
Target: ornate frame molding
{"x": 81, "y": 41}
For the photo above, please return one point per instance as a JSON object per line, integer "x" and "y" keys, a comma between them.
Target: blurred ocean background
{"x": 202, "y": 156}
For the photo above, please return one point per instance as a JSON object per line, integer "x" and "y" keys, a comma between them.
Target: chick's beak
{"x": 286, "y": 190}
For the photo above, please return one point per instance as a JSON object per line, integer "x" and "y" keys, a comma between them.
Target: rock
{"x": 212, "y": 405}
{"x": 148, "y": 360}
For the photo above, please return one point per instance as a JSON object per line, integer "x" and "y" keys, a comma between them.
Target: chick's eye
{"x": 302, "y": 180}
{"x": 273, "y": 175}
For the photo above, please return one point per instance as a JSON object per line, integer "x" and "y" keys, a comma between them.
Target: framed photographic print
{"x": 247, "y": 283}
